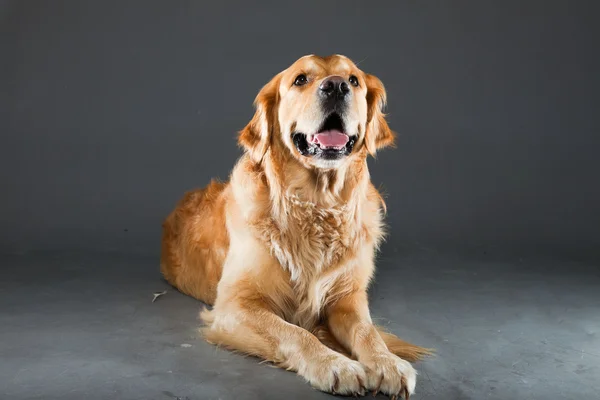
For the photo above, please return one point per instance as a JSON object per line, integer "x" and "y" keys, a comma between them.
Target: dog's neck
{"x": 288, "y": 178}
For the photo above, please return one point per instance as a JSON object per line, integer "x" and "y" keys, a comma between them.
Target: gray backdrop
{"x": 110, "y": 110}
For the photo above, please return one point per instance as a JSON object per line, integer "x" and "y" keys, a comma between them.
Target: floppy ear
{"x": 256, "y": 136}
{"x": 379, "y": 134}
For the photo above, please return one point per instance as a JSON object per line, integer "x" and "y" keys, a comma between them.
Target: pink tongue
{"x": 331, "y": 138}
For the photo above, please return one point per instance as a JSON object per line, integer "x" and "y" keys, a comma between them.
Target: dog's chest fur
{"x": 312, "y": 246}
{"x": 313, "y": 239}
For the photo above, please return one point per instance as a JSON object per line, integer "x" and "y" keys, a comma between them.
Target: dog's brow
{"x": 326, "y": 69}
{"x": 311, "y": 66}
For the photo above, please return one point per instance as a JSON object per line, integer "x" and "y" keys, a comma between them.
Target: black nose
{"x": 334, "y": 86}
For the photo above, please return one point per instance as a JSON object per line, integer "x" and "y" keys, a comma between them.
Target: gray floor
{"x": 84, "y": 327}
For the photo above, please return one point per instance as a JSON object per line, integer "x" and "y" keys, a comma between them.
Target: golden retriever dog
{"x": 284, "y": 251}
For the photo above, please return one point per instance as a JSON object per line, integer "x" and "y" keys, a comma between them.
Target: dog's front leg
{"x": 249, "y": 326}
{"x": 350, "y": 322}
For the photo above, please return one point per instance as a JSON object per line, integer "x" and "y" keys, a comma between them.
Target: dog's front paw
{"x": 336, "y": 374}
{"x": 390, "y": 375}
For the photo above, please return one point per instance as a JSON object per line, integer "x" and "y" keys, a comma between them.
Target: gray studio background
{"x": 111, "y": 110}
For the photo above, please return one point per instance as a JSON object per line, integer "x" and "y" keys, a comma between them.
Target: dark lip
{"x": 332, "y": 121}
{"x": 313, "y": 150}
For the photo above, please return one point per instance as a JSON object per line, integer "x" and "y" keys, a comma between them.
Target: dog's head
{"x": 323, "y": 110}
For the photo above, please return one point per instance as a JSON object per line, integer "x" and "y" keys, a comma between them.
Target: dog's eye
{"x": 353, "y": 80}
{"x": 301, "y": 80}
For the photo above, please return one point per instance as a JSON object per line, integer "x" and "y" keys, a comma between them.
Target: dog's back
{"x": 195, "y": 242}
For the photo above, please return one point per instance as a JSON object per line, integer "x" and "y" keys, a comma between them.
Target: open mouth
{"x": 331, "y": 142}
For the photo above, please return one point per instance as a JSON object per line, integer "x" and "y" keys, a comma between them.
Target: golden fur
{"x": 284, "y": 252}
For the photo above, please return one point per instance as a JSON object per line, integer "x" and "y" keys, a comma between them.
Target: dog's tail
{"x": 403, "y": 349}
